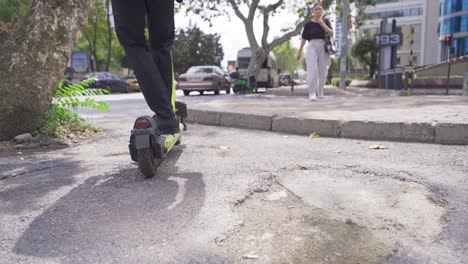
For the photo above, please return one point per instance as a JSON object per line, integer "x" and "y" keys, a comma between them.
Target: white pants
{"x": 317, "y": 61}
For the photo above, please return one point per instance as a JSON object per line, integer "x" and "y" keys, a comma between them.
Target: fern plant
{"x": 69, "y": 95}
{"x": 61, "y": 117}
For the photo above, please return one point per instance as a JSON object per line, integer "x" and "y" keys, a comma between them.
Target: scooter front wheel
{"x": 147, "y": 163}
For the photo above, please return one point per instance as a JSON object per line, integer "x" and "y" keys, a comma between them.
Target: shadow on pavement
{"x": 27, "y": 182}
{"x": 118, "y": 217}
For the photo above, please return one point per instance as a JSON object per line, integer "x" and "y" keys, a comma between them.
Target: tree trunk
{"x": 91, "y": 49}
{"x": 33, "y": 60}
{"x": 258, "y": 57}
{"x": 344, "y": 44}
{"x": 94, "y": 51}
{"x": 109, "y": 36}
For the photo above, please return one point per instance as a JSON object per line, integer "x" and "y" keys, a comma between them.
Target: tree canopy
{"x": 367, "y": 53}
{"x": 99, "y": 38}
{"x": 193, "y": 47}
{"x": 286, "y": 57}
{"x": 11, "y": 12}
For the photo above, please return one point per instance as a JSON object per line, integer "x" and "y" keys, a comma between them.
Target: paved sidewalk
{"x": 301, "y": 90}
{"x": 355, "y": 113}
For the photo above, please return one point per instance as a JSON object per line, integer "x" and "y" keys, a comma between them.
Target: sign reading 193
{"x": 389, "y": 39}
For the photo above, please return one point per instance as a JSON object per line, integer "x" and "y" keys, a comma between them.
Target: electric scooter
{"x": 148, "y": 147}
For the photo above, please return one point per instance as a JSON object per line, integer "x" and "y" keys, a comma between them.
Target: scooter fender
{"x": 142, "y": 141}
{"x": 150, "y": 141}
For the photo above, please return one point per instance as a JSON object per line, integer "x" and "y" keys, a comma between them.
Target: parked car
{"x": 132, "y": 81}
{"x": 111, "y": 82}
{"x": 204, "y": 78}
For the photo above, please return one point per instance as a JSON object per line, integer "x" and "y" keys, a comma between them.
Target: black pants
{"x": 152, "y": 63}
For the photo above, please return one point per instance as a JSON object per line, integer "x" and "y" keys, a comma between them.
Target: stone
{"x": 23, "y": 138}
{"x": 267, "y": 236}
{"x": 277, "y": 196}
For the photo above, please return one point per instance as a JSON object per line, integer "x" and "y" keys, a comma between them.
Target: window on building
{"x": 452, "y": 6}
{"x": 460, "y": 47}
{"x": 464, "y": 23}
{"x": 398, "y": 13}
{"x": 416, "y": 11}
{"x": 454, "y": 25}
{"x": 465, "y": 46}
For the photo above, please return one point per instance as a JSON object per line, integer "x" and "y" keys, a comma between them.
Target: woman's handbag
{"x": 330, "y": 46}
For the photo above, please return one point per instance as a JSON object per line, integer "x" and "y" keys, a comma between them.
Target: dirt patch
{"x": 45, "y": 144}
{"x": 279, "y": 228}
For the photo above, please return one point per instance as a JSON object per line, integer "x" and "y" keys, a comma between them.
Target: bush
{"x": 336, "y": 82}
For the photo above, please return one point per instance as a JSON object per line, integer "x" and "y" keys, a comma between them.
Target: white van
{"x": 268, "y": 76}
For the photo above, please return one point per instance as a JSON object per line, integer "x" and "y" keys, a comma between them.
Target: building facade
{"x": 453, "y": 21}
{"x": 421, "y": 14}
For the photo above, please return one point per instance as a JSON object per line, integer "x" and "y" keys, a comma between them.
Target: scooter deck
{"x": 171, "y": 140}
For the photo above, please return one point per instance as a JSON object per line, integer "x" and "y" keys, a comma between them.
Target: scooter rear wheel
{"x": 147, "y": 163}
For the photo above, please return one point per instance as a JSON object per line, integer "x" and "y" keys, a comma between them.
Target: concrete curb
{"x": 250, "y": 121}
{"x": 326, "y": 128}
{"x": 439, "y": 133}
{"x": 451, "y": 134}
{"x": 204, "y": 117}
{"x": 417, "y": 132}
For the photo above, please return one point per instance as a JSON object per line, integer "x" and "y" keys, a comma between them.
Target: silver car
{"x": 204, "y": 78}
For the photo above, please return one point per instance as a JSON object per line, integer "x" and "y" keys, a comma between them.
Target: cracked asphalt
{"x": 234, "y": 196}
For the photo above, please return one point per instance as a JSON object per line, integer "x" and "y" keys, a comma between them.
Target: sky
{"x": 232, "y": 32}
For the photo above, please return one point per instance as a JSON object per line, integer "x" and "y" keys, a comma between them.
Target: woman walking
{"x": 317, "y": 59}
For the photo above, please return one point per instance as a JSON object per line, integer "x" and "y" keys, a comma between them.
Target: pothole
{"x": 279, "y": 228}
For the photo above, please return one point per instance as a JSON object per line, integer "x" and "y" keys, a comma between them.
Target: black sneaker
{"x": 168, "y": 126}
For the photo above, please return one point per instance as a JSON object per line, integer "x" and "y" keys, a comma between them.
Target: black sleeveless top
{"x": 313, "y": 30}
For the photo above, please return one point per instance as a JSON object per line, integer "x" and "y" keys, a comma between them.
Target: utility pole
{"x": 344, "y": 43}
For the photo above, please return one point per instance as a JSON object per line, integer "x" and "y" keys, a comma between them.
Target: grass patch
{"x": 336, "y": 82}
